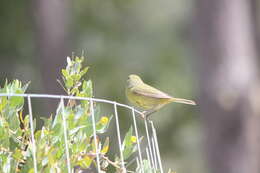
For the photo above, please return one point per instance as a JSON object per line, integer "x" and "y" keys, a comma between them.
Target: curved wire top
{"x": 153, "y": 152}
{"x": 70, "y": 97}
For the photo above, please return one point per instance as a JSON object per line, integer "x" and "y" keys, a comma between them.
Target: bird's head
{"x": 133, "y": 80}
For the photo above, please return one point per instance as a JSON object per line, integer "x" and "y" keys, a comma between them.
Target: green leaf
{"x": 65, "y": 73}
{"x": 69, "y": 63}
{"x": 84, "y": 71}
{"x": 16, "y": 102}
{"x": 58, "y": 118}
{"x": 31, "y": 170}
{"x": 87, "y": 90}
{"x": 128, "y": 145}
{"x": 3, "y": 103}
{"x": 85, "y": 162}
{"x": 75, "y": 130}
{"x": 46, "y": 121}
{"x": 45, "y": 161}
{"x": 146, "y": 166}
{"x": 24, "y": 88}
{"x": 14, "y": 142}
{"x": 102, "y": 127}
{"x": 75, "y": 91}
{"x": 69, "y": 83}
{"x": 105, "y": 146}
{"x": 17, "y": 154}
{"x": 7, "y": 165}
{"x": 127, "y": 140}
{"x": 13, "y": 121}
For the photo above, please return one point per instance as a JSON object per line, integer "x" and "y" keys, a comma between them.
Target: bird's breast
{"x": 144, "y": 102}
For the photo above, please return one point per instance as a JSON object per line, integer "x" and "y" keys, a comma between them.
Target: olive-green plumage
{"x": 149, "y": 98}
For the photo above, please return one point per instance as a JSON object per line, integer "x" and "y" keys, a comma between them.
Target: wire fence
{"x": 149, "y": 152}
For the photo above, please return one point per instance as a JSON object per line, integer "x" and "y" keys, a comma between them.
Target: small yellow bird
{"x": 149, "y": 98}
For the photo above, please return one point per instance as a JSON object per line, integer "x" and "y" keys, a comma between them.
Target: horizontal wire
{"x": 95, "y": 100}
{"x": 69, "y": 97}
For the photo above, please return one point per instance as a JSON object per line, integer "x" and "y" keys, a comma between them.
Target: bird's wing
{"x": 148, "y": 91}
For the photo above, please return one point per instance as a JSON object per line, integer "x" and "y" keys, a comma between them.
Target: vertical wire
{"x": 95, "y": 134}
{"x": 137, "y": 163}
{"x": 157, "y": 147}
{"x": 65, "y": 135}
{"x": 149, "y": 142}
{"x": 32, "y": 134}
{"x": 148, "y": 157}
{"x": 154, "y": 153}
{"x": 119, "y": 138}
{"x": 138, "y": 142}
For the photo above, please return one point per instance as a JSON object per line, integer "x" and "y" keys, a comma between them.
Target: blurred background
{"x": 203, "y": 50}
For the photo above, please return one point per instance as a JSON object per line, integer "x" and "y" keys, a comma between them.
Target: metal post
{"x": 65, "y": 134}
{"x": 149, "y": 142}
{"x": 119, "y": 138}
{"x": 95, "y": 134}
{"x": 32, "y": 134}
{"x": 157, "y": 147}
{"x": 138, "y": 142}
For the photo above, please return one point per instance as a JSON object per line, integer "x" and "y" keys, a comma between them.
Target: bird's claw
{"x": 143, "y": 114}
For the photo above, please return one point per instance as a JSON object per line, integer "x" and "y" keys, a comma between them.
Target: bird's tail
{"x": 185, "y": 101}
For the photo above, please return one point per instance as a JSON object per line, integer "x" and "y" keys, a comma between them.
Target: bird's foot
{"x": 146, "y": 115}
{"x": 143, "y": 114}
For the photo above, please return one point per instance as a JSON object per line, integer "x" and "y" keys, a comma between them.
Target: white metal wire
{"x": 65, "y": 135}
{"x": 68, "y": 97}
{"x": 157, "y": 147}
{"x": 95, "y": 134}
{"x": 138, "y": 142}
{"x": 154, "y": 153}
{"x": 119, "y": 137}
{"x": 149, "y": 143}
{"x": 137, "y": 163}
{"x": 152, "y": 150}
{"x": 148, "y": 156}
{"x": 32, "y": 134}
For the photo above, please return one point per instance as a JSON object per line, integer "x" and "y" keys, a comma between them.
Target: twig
{"x": 111, "y": 162}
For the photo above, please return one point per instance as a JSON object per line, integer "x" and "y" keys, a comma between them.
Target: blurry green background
{"x": 147, "y": 37}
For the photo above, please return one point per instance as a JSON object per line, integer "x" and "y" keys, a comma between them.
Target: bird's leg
{"x": 153, "y": 110}
{"x": 143, "y": 114}
{"x": 148, "y": 113}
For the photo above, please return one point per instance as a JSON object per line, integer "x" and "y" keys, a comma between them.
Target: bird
{"x": 147, "y": 97}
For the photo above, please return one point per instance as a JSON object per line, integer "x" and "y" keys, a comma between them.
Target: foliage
{"x": 158, "y": 47}
{"x": 16, "y": 147}
{"x": 13, "y": 134}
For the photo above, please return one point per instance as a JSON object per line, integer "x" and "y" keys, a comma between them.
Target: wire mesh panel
{"x": 136, "y": 148}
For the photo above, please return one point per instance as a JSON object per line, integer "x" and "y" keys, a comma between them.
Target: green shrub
{"x": 16, "y": 146}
